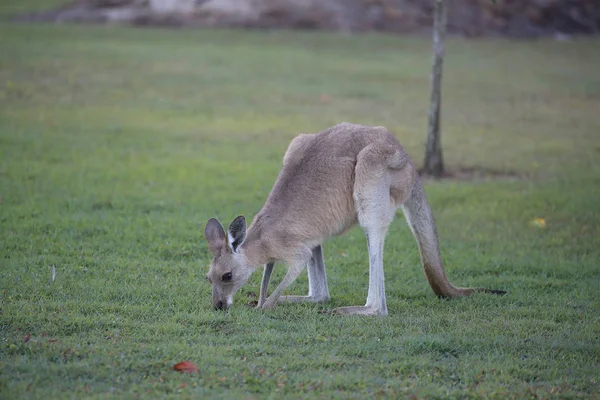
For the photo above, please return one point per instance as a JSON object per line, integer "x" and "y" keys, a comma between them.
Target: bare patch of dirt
{"x": 475, "y": 173}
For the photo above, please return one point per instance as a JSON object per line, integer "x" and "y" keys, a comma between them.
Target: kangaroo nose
{"x": 219, "y": 305}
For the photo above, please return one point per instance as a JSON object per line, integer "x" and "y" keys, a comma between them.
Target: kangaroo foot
{"x": 360, "y": 310}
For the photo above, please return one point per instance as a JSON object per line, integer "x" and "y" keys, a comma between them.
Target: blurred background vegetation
{"x": 515, "y": 18}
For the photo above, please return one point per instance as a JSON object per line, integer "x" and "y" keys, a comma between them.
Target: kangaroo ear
{"x": 237, "y": 232}
{"x": 215, "y": 235}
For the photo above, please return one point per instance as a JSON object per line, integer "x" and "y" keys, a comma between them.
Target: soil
{"x": 474, "y": 174}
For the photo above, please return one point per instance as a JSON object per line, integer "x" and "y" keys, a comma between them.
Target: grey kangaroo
{"x": 329, "y": 181}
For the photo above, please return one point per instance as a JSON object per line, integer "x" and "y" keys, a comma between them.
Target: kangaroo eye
{"x": 226, "y": 277}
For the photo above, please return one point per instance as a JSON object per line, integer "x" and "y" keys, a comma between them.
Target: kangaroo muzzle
{"x": 221, "y": 302}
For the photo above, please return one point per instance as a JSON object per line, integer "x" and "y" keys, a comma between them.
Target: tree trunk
{"x": 434, "y": 162}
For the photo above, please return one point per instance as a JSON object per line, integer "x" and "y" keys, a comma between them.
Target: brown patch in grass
{"x": 475, "y": 173}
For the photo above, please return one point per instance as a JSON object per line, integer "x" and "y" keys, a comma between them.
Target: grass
{"x": 10, "y": 8}
{"x": 116, "y": 145}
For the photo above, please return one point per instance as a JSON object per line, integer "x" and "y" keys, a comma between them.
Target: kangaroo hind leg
{"x": 375, "y": 210}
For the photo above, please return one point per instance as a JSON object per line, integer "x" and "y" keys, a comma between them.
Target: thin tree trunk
{"x": 434, "y": 162}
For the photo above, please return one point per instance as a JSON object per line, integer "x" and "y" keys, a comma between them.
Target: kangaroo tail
{"x": 420, "y": 219}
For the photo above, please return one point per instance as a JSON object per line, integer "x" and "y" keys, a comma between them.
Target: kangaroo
{"x": 329, "y": 182}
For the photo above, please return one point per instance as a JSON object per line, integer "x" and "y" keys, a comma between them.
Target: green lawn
{"x": 117, "y": 144}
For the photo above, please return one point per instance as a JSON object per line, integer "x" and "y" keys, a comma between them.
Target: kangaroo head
{"x": 229, "y": 268}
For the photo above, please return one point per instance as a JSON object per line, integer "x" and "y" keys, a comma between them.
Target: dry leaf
{"x": 186, "y": 366}
{"x": 26, "y": 338}
{"x": 539, "y": 222}
{"x": 325, "y": 98}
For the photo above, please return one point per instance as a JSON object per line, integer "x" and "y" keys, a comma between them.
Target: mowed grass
{"x": 117, "y": 144}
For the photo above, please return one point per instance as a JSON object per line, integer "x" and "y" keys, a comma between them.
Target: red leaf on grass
{"x": 186, "y": 366}
{"x": 26, "y": 338}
